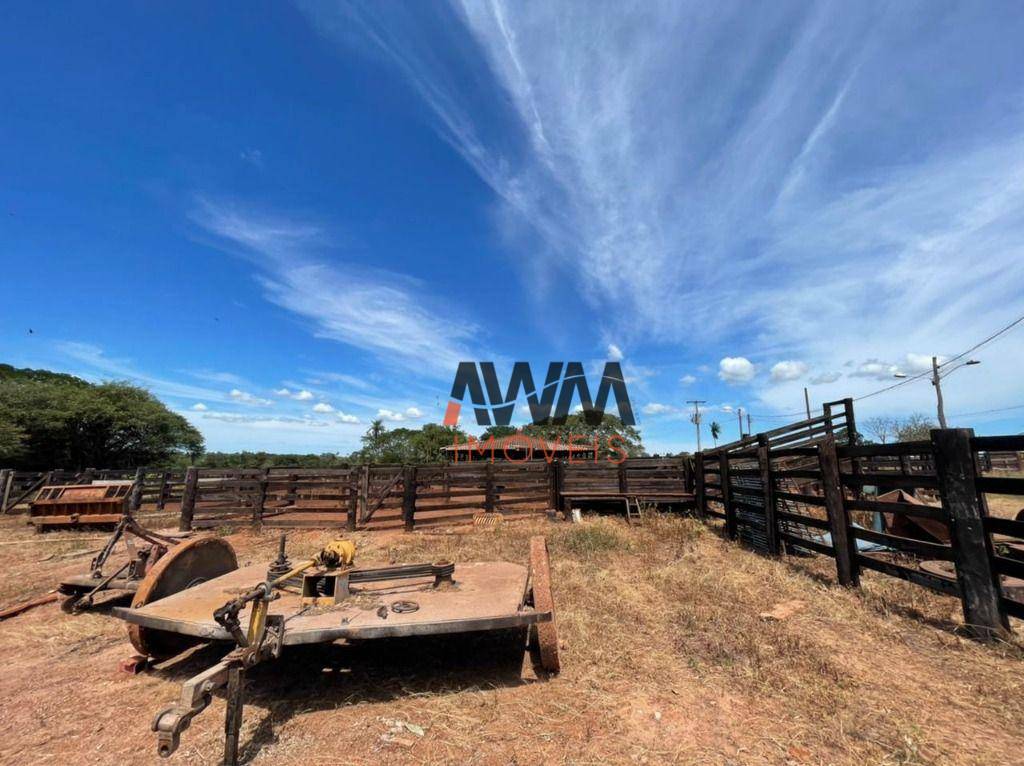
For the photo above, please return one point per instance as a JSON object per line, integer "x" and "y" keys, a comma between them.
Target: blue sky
{"x": 288, "y": 219}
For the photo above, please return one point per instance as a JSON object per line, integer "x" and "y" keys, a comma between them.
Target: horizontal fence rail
{"x": 916, "y": 511}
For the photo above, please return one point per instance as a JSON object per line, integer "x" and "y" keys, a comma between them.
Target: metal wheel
{"x": 185, "y": 565}
{"x": 543, "y": 601}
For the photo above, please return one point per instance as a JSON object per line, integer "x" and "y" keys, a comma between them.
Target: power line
{"x": 987, "y": 412}
{"x": 925, "y": 374}
{"x": 962, "y": 354}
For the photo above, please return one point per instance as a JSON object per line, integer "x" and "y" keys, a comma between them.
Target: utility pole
{"x": 938, "y": 390}
{"x": 695, "y": 417}
{"x": 749, "y": 429}
{"x": 807, "y": 402}
{"x": 739, "y": 417}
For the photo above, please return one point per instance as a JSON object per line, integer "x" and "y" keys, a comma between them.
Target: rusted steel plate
{"x": 540, "y": 576}
{"x": 486, "y": 596}
{"x": 183, "y": 567}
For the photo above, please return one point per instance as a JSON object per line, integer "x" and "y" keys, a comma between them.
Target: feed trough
{"x": 262, "y": 609}
{"x": 71, "y": 505}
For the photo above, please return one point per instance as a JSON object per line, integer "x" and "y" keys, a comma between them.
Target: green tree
{"x": 915, "y": 427}
{"x": 498, "y": 432}
{"x": 716, "y": 430}
{"x": 575, "y": 425}
{"x": 59, "y": 421}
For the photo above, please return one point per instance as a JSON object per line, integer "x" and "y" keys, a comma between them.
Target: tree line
{"x": 53, "y": 420}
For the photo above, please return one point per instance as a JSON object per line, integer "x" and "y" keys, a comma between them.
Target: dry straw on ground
{"x": 666, "y": 659}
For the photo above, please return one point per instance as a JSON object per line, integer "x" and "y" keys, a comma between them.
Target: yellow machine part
{"x": 338, "y": 553}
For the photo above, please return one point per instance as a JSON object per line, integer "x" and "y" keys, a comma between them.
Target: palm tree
{"x": 716, "y": 429}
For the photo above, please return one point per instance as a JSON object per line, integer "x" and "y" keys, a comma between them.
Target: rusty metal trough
{"x": 71, "y": 505}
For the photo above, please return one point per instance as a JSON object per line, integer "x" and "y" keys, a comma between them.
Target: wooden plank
{"x": 1004, "y": 526}
{"x": 924, "y": 579}
{"x": 409, "y": 497}
{"x": 809, "y": 521}
{"x": 798, "y": 497}
{"x": 905, "y": 544}
{"x": 998, "y": 443}
{"x": 1000, "y": 485}
{"x": 730, "y": 513}
{"x": 980, "y": 589}
{"x": 847, "y": 571}
{"x": 885, "y": 450}
{"x": 812, "y": 545}
{"x": 894, "y": 480}
{"x": 699, "y": 489}
{"x": 188, "y": 499}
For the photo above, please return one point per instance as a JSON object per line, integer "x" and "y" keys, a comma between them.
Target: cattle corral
{"x": 827, "y": 636}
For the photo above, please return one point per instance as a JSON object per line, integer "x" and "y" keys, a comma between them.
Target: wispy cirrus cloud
{"x": 387, "y": 314}
{"x": 810, "y": 192}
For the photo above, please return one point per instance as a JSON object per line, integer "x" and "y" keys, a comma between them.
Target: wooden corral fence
{"x": 392, "y": 496}
{"x": 828, "y": 496}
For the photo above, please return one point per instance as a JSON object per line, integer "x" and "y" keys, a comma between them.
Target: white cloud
{"x": 746, "y": 191}
{"x": 736, "y": 369}
{"x": 788, "y": 370}
{"x": 216, "y": 376}
{"x": 875, "y": 369}
{"x": 100, "y": 366}
{"x": 350, "y": 380}
{"x": 200, "y": 407}
{"x": 413, "y": 412}
{"x": 823, "y": 378}
{"x": 688, "y": 380}
{"x": 246, "y": 398}
{"x": 322, "y": 407}
{"x": 390, "y": 415}
{"x": 345, "y": 418}
{"x": 282, "y": 392}
{"x": 388, "y": 314}
{"x": 252, "y": 156}
{"x": 304, "y": 395}
{"x": 614, "y": 353}
{"x": 920, "y": 362}
{"x": 655, "y": 408}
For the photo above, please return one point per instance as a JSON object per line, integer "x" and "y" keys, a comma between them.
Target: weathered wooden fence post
{"x": 353, "y": 500}
{"x": 489, "y": 488}
{"x": 559, "y": 486}
{"x": 764, "y": 463}
{"x": 261, "y": 497}
{"x": 409, "y": 497}
{"x": 730, "y": 512}
{"x": 364, "y": 491}
{"x": 980, "y": 590}
{"x": 847, "y": 567}
{"x": 135, "y": 499}
{"x": 6, "y": 479}
{"x": 699, "y": 493}
{"x": 188, "y": 499}
{"x": 161, "y": 496}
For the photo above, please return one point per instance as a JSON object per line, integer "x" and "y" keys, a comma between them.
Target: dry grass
{"x": 666, "y": 660}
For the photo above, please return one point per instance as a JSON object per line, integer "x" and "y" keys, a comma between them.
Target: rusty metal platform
{"x": 486, "y": 596}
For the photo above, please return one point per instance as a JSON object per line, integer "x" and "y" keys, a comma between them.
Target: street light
{"x": 937, "y": 377}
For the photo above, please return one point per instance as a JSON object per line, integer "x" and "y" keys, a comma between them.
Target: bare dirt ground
{"x": 666, "y": 659}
